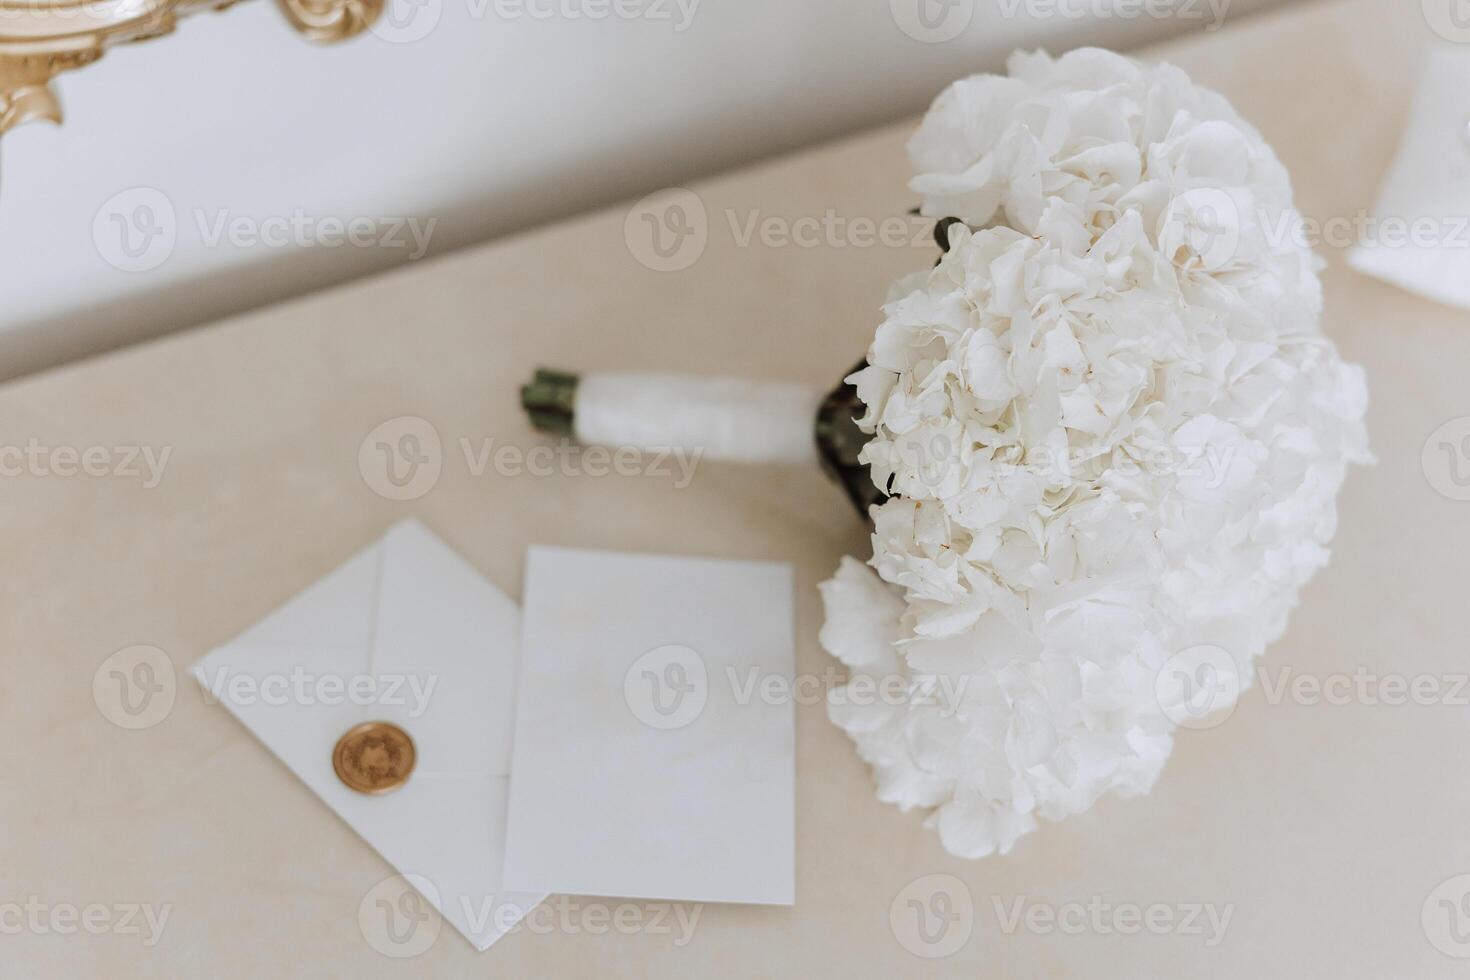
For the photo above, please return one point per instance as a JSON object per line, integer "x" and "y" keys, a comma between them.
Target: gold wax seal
{"x": 374, "y": 757}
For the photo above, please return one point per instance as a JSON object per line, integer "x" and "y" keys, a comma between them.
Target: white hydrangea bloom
{"x": 1112, "y": 428}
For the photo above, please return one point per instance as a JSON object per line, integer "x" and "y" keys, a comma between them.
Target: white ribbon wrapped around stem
{"x": 724, "y": 419}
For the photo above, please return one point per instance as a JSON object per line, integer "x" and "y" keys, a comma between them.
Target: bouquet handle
{"x": 720, "y": 419}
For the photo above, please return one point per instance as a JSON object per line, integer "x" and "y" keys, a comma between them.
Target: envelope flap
{"x": 442, "y": 628}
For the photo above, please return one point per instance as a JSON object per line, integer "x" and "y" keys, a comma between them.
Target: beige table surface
{"x": 1324, "y": 827}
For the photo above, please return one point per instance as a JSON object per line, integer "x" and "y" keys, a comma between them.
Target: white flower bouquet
{"x": 1103, "y": 433}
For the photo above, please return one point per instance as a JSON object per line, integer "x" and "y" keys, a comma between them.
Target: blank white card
{"x": 654, "y": 748}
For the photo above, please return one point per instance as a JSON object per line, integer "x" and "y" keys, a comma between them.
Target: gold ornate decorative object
{"x": 39, "y": 39}
{"x": 331, "y": 20}
{"x": 374, "y": 757}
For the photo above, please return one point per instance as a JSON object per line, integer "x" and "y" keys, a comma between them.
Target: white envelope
{"x": 430, "y": 646}
{"x": 1422, "y": 240}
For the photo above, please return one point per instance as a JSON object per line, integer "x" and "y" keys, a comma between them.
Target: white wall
{"x": 473, "y": 113}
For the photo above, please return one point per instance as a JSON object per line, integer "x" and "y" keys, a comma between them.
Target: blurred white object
{"x": 1422, "y": 242}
